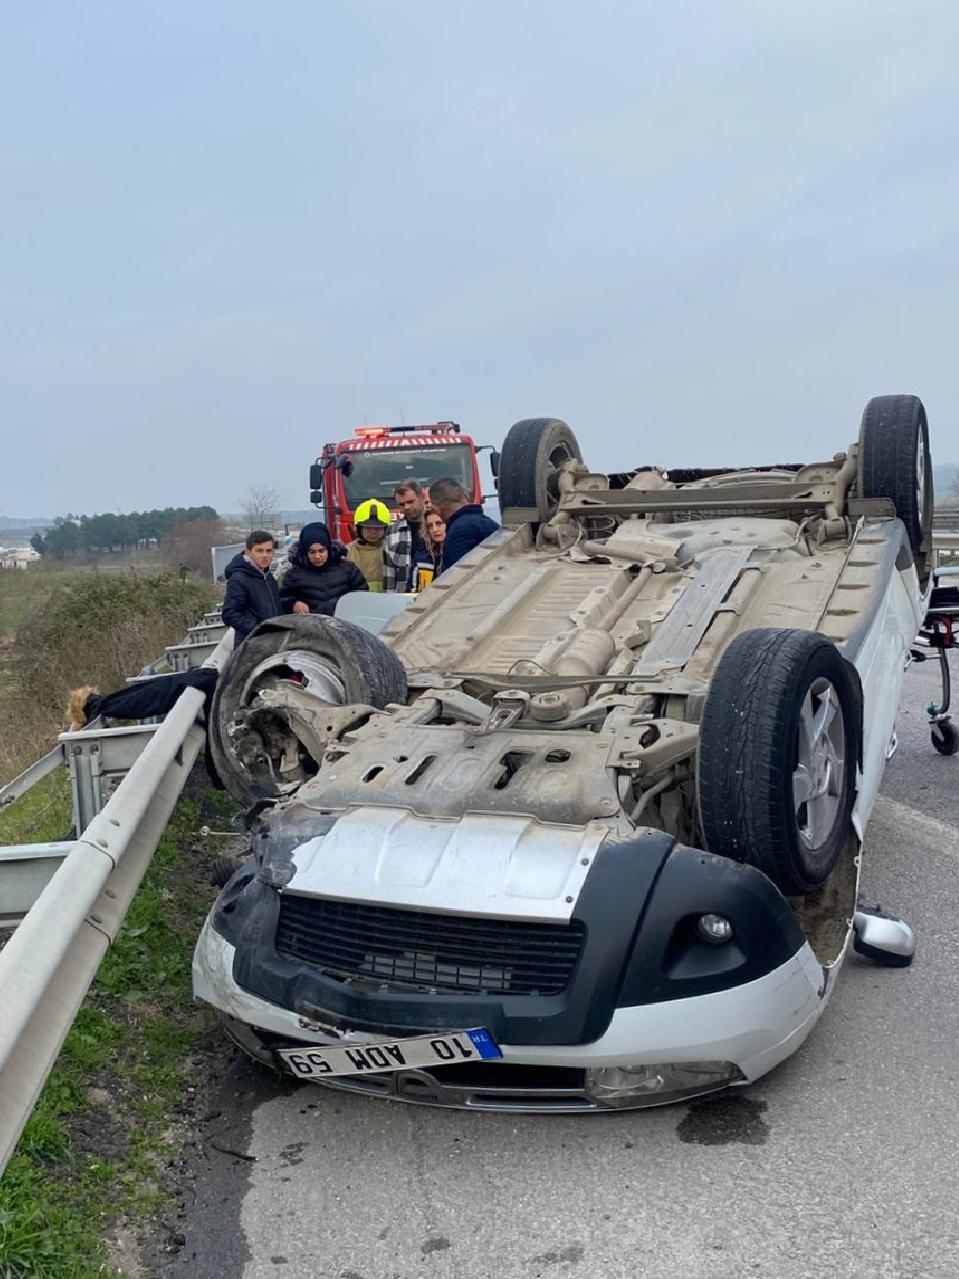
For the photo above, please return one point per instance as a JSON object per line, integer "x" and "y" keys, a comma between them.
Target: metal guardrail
{"x": 27, "y": 869}
{"x": 945, "y": 547}
{"x": 99, "y": 759}
{"x": 47, "y": 764}
{"x": 82, "y": 888}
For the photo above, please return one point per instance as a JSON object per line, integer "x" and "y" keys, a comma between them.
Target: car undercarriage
{"x": 608, "y": 772}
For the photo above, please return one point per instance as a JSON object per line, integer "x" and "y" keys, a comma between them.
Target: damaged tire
{"x": 778, "y": 748}
{"x": 533, "y": 452}
{"x": 267, "y": 726}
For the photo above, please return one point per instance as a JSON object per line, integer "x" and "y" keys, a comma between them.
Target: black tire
{"x": 894, "y": 462}
{"x": 533, "y": 451}
{"x": 750, "y": 756}
{"x": 370, "y": 673}
{"x": 945, "y": 737}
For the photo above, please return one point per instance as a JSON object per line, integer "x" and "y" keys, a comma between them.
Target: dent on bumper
{"x": 755, "y": 1025}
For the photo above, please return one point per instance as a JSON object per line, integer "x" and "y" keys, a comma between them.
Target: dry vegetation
{"x": 60, "y": 629}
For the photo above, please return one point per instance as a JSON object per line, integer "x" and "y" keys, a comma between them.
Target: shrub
{"x": 102, "y": 629}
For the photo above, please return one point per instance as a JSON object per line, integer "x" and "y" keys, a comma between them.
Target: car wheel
{"x": 894, "y": 462}
{"x": 945, "y": 737}
{"x": 778, "y": 748}
{"x": 323, "y": 661}
{"x": 533, "y": 452}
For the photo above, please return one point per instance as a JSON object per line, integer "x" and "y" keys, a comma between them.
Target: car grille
{"x": 461, "y": 953}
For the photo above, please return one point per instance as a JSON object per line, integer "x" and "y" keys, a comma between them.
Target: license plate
{"x": 398, "y": 1054}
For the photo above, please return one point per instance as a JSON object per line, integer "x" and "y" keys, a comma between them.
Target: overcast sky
{"x": 701, "y": 232}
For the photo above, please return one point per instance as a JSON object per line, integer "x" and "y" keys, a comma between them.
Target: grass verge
{"x": 22, "y": 590}
{"x": 41, "y": 815}
{"x": 96, "y": 1152}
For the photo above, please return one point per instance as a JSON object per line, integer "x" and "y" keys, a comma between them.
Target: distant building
{"x": 17, "y": 556}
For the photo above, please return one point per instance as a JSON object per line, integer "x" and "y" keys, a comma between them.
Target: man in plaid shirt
{"x": 404, "y": 538}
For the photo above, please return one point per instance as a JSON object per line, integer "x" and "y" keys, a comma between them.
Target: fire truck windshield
{"x": 376, "y": 472}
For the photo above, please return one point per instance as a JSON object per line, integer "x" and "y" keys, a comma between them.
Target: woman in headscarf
{"x": 319, "y": 575}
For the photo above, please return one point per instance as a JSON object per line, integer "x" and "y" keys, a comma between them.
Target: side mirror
{"x": 883, "y": 938}
{"x": 316, "y": 476}
{"x": 494, "y": 460}
{"x": 316, "y": 497}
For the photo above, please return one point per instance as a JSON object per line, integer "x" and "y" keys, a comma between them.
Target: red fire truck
{"x": 377, "y": 458}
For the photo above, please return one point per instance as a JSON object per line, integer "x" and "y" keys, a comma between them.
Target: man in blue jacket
{"x": 466, "y": 525}
{"x": 252, "y": 594}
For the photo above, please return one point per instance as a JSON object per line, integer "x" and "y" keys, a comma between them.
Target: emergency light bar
{"x": 432, "y": 428}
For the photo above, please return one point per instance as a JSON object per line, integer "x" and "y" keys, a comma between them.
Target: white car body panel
{"x": 483, "y": 864}
{"x": 881, "y": 663}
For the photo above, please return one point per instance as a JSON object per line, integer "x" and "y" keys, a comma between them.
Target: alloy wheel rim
{"x": 921, "y": 481}
{"x": 818, "y": 781}
{"x": 317, "y": 676}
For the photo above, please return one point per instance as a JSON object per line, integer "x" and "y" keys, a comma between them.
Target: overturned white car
{"x": 581, "y": 829}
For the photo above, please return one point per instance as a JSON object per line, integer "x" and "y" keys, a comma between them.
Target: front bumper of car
{"x": 752, "y": 1027}
{"x": 653, "y": 1012}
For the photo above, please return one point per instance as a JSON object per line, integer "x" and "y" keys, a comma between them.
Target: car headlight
{"x": 656, "y": 1084}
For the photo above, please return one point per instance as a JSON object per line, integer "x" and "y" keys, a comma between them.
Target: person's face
{"x": 411, "y": 504}
{"x": 261, "y": 553}
{"x": 317, "y": 555}
{"x": 372, "y": 533}
{"x": 436, "y": 528}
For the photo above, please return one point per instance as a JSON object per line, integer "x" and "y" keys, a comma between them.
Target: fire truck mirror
{"x": 316, "y": 475}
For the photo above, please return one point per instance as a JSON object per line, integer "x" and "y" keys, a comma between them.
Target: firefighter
{"x": 367, "y": 551}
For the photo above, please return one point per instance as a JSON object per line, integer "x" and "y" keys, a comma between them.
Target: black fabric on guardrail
{"x": 149, "y": 697}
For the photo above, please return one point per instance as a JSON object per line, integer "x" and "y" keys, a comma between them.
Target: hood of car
{"x": 482, "y": 864}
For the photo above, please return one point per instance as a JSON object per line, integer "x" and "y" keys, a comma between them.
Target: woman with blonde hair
{"x": 427, "y": 561}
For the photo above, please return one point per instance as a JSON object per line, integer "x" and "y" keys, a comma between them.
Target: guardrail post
{"x": 99, "y": 759}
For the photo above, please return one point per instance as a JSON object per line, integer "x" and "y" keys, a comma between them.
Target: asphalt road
{"x": 840, "y": 1163}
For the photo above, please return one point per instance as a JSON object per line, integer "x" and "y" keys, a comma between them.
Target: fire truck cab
{"x": 377, "y": 458}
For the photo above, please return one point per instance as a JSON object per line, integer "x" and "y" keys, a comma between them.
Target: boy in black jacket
{"x": 252, "y": 594}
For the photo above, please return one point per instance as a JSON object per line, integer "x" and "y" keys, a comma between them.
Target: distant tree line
{"x": 90, "y": 534}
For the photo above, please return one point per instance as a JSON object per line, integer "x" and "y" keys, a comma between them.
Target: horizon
{"x": 943, "y": 472}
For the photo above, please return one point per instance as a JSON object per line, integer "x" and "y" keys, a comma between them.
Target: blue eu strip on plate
{"x": 483, "y": 1043}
